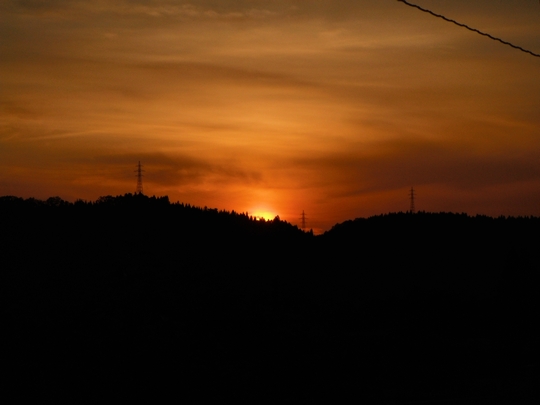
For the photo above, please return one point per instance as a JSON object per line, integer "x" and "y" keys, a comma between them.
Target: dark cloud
{"x": 180, "y": 170}
{"x": 180, "y": 72}
{"x": 57, "y": 8}
{"x": 18, "y": 110}
{"x": 396, "y": 164}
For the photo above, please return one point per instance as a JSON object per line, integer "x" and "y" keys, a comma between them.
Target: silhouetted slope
{"x": 444, "y": 253}
{"x": 452, "y": 294}
{"x": 133, "y": 292}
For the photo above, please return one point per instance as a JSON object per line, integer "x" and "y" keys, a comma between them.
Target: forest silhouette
{"x": 134, "y": 296}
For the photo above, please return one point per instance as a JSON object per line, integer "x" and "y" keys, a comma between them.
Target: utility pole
{"x": 412, "y": 195}
{"x": 139, "y": 178}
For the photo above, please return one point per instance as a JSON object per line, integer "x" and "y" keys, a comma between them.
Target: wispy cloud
{"x": 156, "y": 8}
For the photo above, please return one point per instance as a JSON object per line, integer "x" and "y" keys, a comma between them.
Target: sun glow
{"x": 261, "y": 214}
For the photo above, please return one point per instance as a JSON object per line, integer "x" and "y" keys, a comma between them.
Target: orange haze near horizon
{"x": 273, "y": 107}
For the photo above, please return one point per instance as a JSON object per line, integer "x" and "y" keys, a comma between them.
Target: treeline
{"x": 141, "y": 215}
{"x": 445, "y": 252}
{"x": 11, "y": 205}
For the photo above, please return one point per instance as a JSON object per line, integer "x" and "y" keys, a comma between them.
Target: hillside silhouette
{"x": 134, "y": 296}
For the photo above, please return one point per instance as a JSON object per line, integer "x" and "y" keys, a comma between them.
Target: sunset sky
{"x": 272, "y": 107}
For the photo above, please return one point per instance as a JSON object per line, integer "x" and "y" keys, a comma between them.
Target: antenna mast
{"x": 139, "y": 178}
{"x": 412, "y": 195}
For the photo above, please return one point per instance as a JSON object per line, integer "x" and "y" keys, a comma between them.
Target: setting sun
{"x": 262, "y": 214}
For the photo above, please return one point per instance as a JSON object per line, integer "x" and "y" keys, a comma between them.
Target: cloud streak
{"x": 393, "y": 165}
{"x": 179, "y": 170}
{"x": 154, "y": 9}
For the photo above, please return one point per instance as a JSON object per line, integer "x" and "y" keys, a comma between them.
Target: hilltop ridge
{"x": 138, "y": 284}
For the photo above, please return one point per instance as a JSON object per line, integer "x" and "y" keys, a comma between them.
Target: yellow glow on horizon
{"x": 262, "y": 214}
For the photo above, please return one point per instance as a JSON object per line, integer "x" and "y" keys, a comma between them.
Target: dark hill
{"x": 134, "y": 297}
{"x": 447, "y": 252}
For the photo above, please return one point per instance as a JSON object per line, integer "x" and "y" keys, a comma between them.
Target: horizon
{"x": 262, "y": 218}
{"x": 274, "y": 108}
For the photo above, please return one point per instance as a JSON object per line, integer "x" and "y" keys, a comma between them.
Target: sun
{"x": 265, "y": 214}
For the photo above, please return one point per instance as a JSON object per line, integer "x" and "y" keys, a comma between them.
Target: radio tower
{"x": 303, "y": 219}
{"x": 411, "y": 195}
{"x": 139, "y": 178}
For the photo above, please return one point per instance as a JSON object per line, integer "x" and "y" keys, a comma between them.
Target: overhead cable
{"x": 469, "y": 28}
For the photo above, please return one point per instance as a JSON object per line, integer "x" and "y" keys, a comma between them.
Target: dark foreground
{"x": 136, "y": 298}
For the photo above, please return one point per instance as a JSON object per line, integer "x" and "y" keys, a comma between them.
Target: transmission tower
{"x": 303, "y": 219}
{"x": 139, "y": 178}
{"x": 412, "y": 195}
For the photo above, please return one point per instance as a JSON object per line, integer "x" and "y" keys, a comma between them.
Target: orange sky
{"x": 335, "y": 108}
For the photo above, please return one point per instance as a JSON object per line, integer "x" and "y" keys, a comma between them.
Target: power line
{"x": 469, "y": 28}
